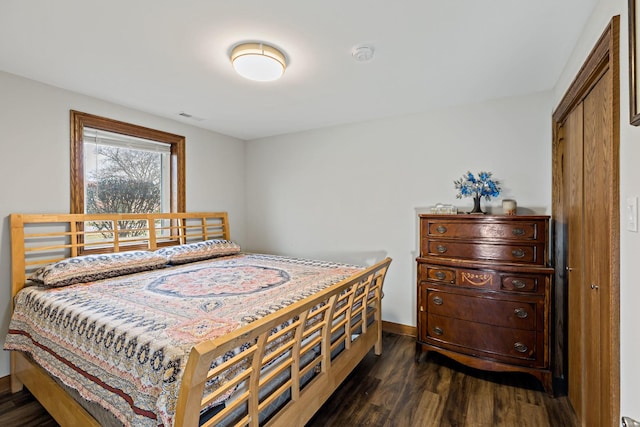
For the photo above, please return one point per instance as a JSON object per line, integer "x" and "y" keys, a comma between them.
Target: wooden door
{"x": 573, "y": 179}
{"x": 598, "y": 170}
{"x": 586, "y": 205}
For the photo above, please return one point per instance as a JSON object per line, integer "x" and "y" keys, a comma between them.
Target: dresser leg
{"x": 419, "y": 351}
{"x": 546, "y": 378}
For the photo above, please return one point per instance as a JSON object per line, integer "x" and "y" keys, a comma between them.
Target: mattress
{"x": 122, "y": 343}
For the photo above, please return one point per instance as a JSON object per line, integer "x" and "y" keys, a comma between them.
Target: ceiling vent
{"x": 190, "y": 116}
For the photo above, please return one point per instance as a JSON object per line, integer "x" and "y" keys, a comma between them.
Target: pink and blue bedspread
{"x": 124, "y": 342}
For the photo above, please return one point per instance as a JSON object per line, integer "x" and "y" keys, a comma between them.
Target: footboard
{"x": 291, "y": 361}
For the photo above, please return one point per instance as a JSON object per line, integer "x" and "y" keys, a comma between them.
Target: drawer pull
{"x": 518, "y": 253}
{"x": 441, "y": 249}
{"x": 518, "y": 231}
{"x": 437, "y": 300}
{"x": 441, "y": 229}
{"x": 438, "y": 330}
{"x": 440, "y": 275}
{"x": 520, "y": 348}
{"x": 518, "y": 284}
{"x": 521, "y": 313}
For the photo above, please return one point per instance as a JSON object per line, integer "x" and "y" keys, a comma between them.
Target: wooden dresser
{"x": 484, "y": 291}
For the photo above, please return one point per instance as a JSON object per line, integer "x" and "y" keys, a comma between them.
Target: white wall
{"x": 629, "y": 186}
{"x": 351, "y": 192}
{"x": 34, "y": 164}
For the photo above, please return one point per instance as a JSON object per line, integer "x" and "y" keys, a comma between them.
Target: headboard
{"x": 40, "y": 239}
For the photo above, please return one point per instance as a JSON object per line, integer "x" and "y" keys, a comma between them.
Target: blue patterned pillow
{"x": 87, "y": 268}
{"x": 198, "y": 251}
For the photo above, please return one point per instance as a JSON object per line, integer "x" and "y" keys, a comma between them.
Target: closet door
{"x": 572, "y": 180}
{"x": 586, "y": 205}
{"x": 588, "y": 172}
{"x": 598, "y": 221}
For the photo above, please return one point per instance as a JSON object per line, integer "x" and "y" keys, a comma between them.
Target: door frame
{"x": 604, "y": 57}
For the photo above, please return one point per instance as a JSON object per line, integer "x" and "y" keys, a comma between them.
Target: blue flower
{"x": 483, "y": 186}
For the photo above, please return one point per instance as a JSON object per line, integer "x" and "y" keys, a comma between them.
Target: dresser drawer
{"x": 531, "y": 283}
{"x": 484, "y": 279}
{"x": 471, "y": 337}
{"x": 523, "y": 253}
{"x": 465, "y": 228}
{"x": 498, "y": 312}
{"x": 434, "y": 273}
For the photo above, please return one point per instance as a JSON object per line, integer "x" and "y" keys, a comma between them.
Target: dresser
{"x": 484, "y": 292}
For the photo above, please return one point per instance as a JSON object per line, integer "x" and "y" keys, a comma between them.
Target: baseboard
{"x": 398, "y": 328}
{"x": 5, "y": 384}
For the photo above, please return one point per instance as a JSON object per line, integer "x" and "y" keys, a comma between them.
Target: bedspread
{"x": 124, "y": 342}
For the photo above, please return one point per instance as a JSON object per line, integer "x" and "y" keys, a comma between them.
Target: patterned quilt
{"x": 124, "y": 342}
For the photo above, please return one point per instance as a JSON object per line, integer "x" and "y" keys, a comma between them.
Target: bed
{"x": 207, "y": 335}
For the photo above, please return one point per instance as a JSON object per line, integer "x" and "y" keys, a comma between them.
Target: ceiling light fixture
{"x": 258, "y": 61}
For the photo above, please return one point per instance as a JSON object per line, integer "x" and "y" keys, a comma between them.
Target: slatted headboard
{"x": 40, "y": 239}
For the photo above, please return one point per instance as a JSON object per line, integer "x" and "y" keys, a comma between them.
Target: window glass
{"x": 125, "y": 174}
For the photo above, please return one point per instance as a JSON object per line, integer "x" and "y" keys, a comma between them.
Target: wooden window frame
{"x": 79, "y": 120}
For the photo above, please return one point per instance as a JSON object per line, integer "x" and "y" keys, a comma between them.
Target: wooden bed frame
{"x": 348, "y": 319}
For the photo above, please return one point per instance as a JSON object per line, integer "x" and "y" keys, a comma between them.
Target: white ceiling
{"x": 170, "y": 56}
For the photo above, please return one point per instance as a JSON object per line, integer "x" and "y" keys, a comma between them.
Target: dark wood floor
{"x": 21, "y": 409}
{"x": 394, "y": 390}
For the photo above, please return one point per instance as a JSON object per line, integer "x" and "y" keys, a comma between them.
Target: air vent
{"x": 190, "y": 116}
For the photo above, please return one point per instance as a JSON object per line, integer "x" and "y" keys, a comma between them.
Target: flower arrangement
{"x": 483, "y": 186}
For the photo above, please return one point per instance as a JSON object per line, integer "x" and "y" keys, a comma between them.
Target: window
{"x": 118, "y": 167}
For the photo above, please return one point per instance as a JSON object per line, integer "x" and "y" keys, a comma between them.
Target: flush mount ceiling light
{"x": 258, "y": 61}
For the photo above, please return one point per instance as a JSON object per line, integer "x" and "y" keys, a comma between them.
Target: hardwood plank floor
{"x": 21, "y": 409}
{"x": 394, "y": 390}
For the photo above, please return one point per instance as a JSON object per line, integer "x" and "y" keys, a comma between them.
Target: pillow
{"x": 87, "y": 268}
{"x": 198, "y": 251}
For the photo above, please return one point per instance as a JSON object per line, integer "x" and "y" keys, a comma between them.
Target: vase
{"x": 509, "y": 207}
{"x": 476, "y": 206}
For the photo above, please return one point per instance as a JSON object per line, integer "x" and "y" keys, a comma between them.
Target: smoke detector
{"x": 362, "y": 53}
